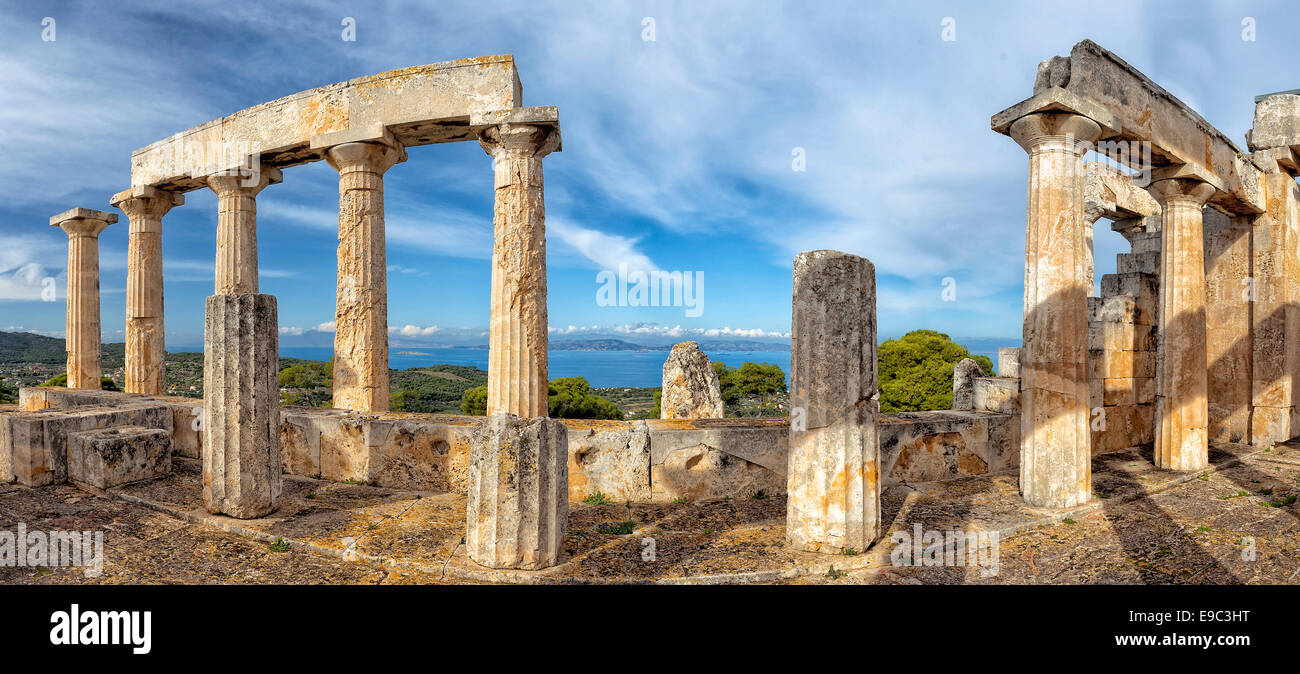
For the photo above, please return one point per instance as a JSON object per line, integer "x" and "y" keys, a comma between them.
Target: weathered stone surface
{"x": 1008, "y": 362}
{"x": 419, "y": 105}
{"x": 1277, "y": 123}
{"x": 1181, "y": 417}
{"x": 34, "y": 445}
{"x": 611, "y": 458}
{"x": 702, "y": 472}
{"x": 1228, "y": 338}
{"x": 517, "y": 338}
{"x": 690, "y": 385}
{"x": 83, "y": 225}
{"x": 1054, "y": 379}
{"x": 361, "y": 309}
{"x": 997, "y": 394}
{"x": 145, "y": 343}
{"x": 518, "y": 505}
{"x": 963, "y": 383}
{"x": 236, "y": 267}
{"x": 110, "y": 457}
{"x": 943, "y": 445}
{"x": 833, "y": 476}
{"x": 241, "y": 399}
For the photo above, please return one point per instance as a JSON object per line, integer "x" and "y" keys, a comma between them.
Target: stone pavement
{"x": 1145, "y": 526}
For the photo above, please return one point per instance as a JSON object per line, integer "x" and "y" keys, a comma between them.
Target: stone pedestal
{"x": 236, "y": 271}
{"x": 241, "y": 400}
{"x": 517, "y": 338}
{"x": 1055, "y": 445}
{"x": 690, "y": 385}
{"x": 518, "y": 505}
{"x": 145, "y": 343}
{"x": 361, "y": 308}
{"x": 963, "y": 383}
{"x": 1181, "y": 415}
{"x": 833, "y": 477}
{"x": 83, "y": 225}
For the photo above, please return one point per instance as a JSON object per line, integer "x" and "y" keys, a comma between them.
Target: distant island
{"x": 705, "y": 344}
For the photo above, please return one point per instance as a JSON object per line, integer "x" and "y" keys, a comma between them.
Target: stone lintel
{"x": 1110, "y": 193}
{"x": 373, "y": 133}
{"x": 82, "y": 214}
{"x": 420, "y": 105}
{"x": 1056, "y": 99}
{"x": 542, "y": 115}
{"x": 1278, "y": 159}
{"x": 272, "y": 174}
{"x": 146, "y": 192}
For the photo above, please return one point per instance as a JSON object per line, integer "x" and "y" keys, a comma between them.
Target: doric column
{"x": 833, "y": 467}
{"x": 1182, "y": 417}
{"x": 83, "y": 225}
{"x": 236, "y": 272}
{"x": 517, "y": 340}
{"x": 241, "y": 399}
{"x": 1055, "y": 445}
{"x": 145, "y": 343}
{"x": 361, "y": 307}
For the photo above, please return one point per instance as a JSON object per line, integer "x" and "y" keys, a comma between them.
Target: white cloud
{"x": 291, "y": 331}
{"x": 409, "y": 330}
{"x": 327, "y": 326}
{"x": 604, "y": 250}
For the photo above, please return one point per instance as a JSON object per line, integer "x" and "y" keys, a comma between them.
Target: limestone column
{"x": 83, "y": 225}
{"x": 1055, "y": 445}
{"x": 1182, "y": 416}
{"x": 517, "y": 338}
{"x": 145, "y": 343}
{"x": 833, "y": 469}
{"x": 361, "y": 307}
{"x": 241, "y": 396}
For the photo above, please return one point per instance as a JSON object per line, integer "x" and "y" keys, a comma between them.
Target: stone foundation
{"x": 109, "y": 457}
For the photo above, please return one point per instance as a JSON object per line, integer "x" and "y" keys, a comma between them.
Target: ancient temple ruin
{"x": 1193, "y": 341}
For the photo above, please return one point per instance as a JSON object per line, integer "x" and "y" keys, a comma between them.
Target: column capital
{"x": 519, "y": 139}
{"x": 365, "y": 156}
{"x": 83, "y": 221}
{"x": 1181, "y": 190}
{"x": 1040, "y": 129}
{"x": 243, "y": 181}
{"x": 145, "y": 201}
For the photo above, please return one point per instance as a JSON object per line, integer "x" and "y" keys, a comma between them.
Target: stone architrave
{"x": 361, "y": 306}
{"x": 690, "y": 385}
{"x": 145, "y": 343}
{"x": 83, "y": 226}
{"x": 241, "y": 393}
{"x": 1055, "y": 449}
{"x": 1181, "y": 415}
{"x": 517, "y": 338}
{"x": 963, "y": 383}
{"x": 833, "y": 476}
{"x": 518, "y": 507}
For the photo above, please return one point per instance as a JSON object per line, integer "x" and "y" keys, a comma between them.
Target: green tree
{"x": 751, "y": 389}
{"x": 567, "y": 398}
{"x": 916, "y": 371}
{"x": 7, "y": 395}
{"x": 474, "y": 401}
{"x": 61, "y": 379}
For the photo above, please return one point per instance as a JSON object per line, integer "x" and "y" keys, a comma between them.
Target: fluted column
{"x": 83, "y": 225}
{"x": 517, "y": 338}
{"x": 361, "y": 307}
{"x": 241, "y": 399}
{"x": 1182, "y": 415}
{"x": 236, "y": 272}
{"x": 1055, "y": 446}
{"x": 145, "y": 343}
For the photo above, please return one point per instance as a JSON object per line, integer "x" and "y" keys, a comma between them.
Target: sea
{"x": 603, "y": 369}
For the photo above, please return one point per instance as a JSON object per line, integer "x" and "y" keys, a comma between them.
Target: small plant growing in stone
{"x": 848, "y": 552}
{"x": 760, "y": 494}
{"x": 280, "y": 545}
{"x": 681, "y": 499}
{"x": 1203, "y": 477}
{"x": 620, "y": 529}
{"x": 354, "y": 481}
{"x": 371, "y": 527}
{"x": 706, "y": 531}
{"x": 833, "y": 574}
{"x": 596, "y": 498}
{"x": 1068, "y": 521}
{"x": 1266, "y": 491}
{"x": 1202, "y": 529}
{"x": 311, "y": 494}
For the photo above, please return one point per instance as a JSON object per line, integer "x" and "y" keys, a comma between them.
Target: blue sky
{"x": 677, "y": 153}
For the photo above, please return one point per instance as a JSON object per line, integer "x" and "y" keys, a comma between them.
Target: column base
{"x": 833, "y": 485}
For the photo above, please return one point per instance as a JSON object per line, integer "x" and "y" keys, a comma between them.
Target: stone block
{"x": 1138, "y": 263}
{"x": 34, "y": 445}
{"x": 690, "y": 385}
{"x": 518, "y": 507}
{"x": 613, "y": 459}
{"x": 1008, "y": 361}
{"x": 1120, "y": 309}
{"x": 109, "y": 457}
{"x": 241, "y": 401}
{"x": 1277, "y": 122}
{"x": 997, "y": 394}
{"x": 963, "y": 383}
